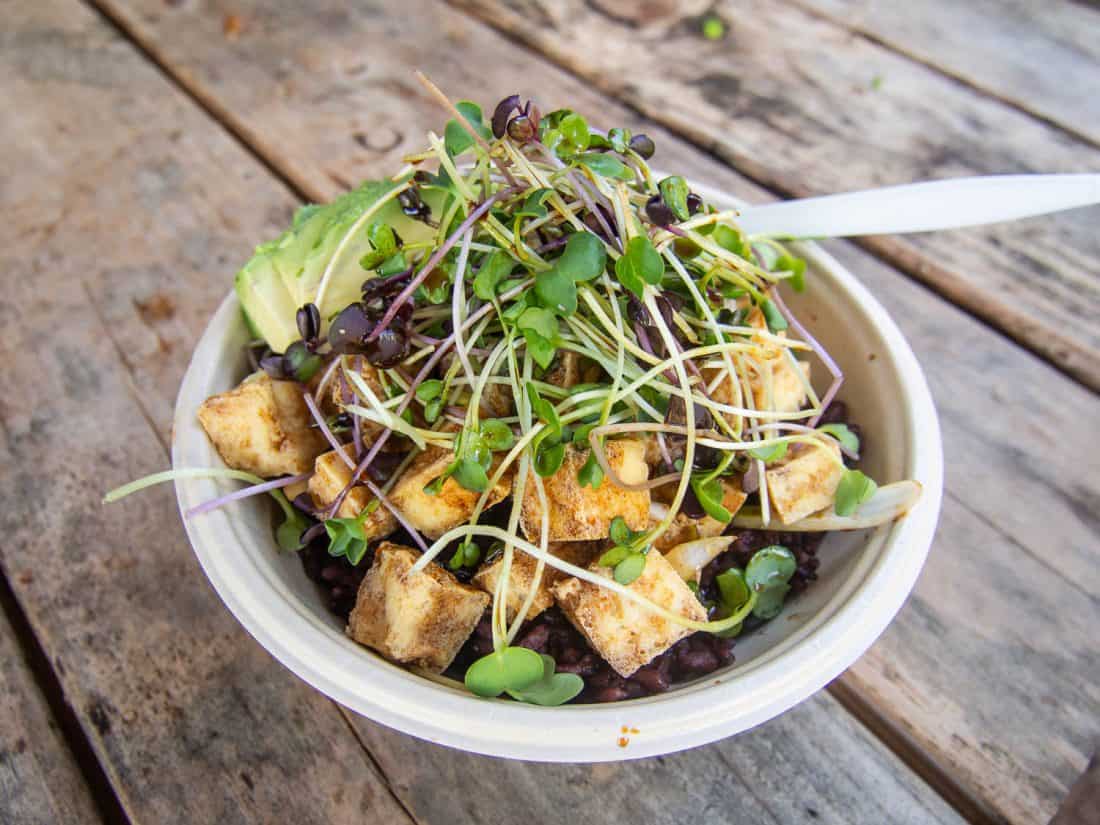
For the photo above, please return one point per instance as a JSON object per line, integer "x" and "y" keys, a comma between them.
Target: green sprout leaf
{"x": 615, "y": 555}
{"x": 471, "y": 475}
{"x": 574, "y": 130}
{"x": 540, "y": 320}
{"x": 640, "y": 264}
{"x": 494, "y": 268}
{"x": 557, "y": 291}
{"x": 583, "y": 258}
{"x": 605, "y": 165}
{"x": 533, "y": 204}
{"x": 383, "y": 245}
{"x": 768, "y": 573}
{"x": 456, "y": 139}
{"x": 430, "y": 389}
{"x": 496, "y": 435}
{"x": 591, "y": 474}
{"x": 552, "y": 689}
{"x": 734, "y": 594}
{"x": 797, "y": 268}
{"x": 731, "y": 240}
{"x": 619, "y": 139}
{"x": 674, "y": 192}
{"x": 468, "y": 554}
{"x": 548, "y": 458}
{"x": 848, "y": 439}
{"x": 432, "y": 410}
{"x": 289, "y": 532}
{"x": 775, "y": 319}
{"x": 629, "y": 569}
{"x": 512, "y": 668}
{"x": 541, "y": 349}
{"x": 346, "y": 538}
{"x": 853, "y": 490}
{"x": 710, "y": 494}
{"x": 769, "y": 454}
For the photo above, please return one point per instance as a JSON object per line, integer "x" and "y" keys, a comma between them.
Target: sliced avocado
{"x": 286, "y": 273}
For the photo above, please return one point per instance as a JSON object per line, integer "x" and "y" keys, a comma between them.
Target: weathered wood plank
{"x": 110, "y": 173}
{"x": 40, "y": 781}
{"x": 974, "y": 372}
{"x": 1040, "y": 59}
{"x": 777, "y": 773}
{"x": 789, "y": 99}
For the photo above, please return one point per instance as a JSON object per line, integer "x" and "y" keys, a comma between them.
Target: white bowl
{"x": 863, "y": 580}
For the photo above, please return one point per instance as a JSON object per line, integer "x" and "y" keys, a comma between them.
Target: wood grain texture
{"x": 795, "y": 769}
{"x": 193, "y": 722}
{"x": 1013, "y": 427}
{"x": 789, "y": 99}
{"x": 1046, "y": 63}
{"x": 40, "y": 781}
{"x": 116, "y": 185}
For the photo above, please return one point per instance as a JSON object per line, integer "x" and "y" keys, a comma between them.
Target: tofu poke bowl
{"x": 529, "y": 450}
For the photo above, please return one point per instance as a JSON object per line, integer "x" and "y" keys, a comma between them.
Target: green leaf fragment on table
{"x": 853, "y": 490}
{"x": 552, "y": 689}
{"x": 512, "y": 668}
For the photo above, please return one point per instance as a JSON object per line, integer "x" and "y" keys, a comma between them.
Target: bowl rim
{"x": 737, "y": 699}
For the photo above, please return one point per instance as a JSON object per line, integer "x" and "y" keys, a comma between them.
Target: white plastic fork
{"x": 922, "y": 207}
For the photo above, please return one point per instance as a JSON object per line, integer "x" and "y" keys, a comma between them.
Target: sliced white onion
{"x": 689, "y": 558}
{"x": 887, "y": 504}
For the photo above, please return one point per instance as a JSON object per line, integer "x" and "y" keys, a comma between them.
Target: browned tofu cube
{"x": 622, "y": 631}
{"x": 522, "y": 575}
{"x": 434, "y": 515}
{"x": 262, "y": 426}
{"x": 581, "y": 513}
{"x": 684, "y": 528}
{"x": 804, "y": 481}
{"x": 331, "y": 474}
{"x": 420, "y": 619}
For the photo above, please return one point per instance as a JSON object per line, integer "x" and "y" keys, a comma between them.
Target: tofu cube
{"x": 331, "y": 474}
{"x": 804, "y": 481}
{"x": 451, "y": 506}
{"x": 521, "y": 575}
{"x": 565, "y": 372}
{"x": 581, "y": 513}
{"x": 787, "y": 388}
{"x": 684, "y": 528}
{"x": 622, "y": 631}
{"x": 420, "y": 619}
{"x": 262, "y": 426}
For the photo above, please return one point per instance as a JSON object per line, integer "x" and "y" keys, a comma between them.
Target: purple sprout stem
{"x": 244, "y": 492}
{"x": 436, "y": 257}
{"x": 822, "y": 353}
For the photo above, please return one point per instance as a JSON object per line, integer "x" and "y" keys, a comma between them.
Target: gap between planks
{"x": 906, "y": 261}
{"x": 940, "y": 69}
{"x": 100, "y": 788}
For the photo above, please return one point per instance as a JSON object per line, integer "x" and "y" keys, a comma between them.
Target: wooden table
{"x": 147, "y": 145}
